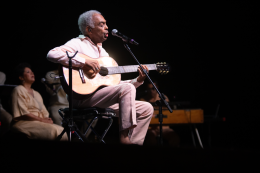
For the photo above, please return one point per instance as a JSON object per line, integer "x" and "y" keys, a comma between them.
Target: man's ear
{"x": 88, "y": 29}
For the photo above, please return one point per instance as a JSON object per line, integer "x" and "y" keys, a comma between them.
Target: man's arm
{"x": 140, "y": 79}
{"x": 58, "y": 55}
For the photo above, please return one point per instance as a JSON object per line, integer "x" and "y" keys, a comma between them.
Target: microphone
{"x": 43, "y": 80}
{"x": 124, "y": 38}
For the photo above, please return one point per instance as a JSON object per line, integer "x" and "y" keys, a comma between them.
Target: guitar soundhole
{"x": 103, "y": 71}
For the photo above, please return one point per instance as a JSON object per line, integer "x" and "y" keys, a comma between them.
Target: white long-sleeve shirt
{"x": 85, "y": 46}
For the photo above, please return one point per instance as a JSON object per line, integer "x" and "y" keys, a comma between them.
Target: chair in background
{"x": 5, "y": 108}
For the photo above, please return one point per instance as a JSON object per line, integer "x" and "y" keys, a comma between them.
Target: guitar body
{"x": 93, "y": 82}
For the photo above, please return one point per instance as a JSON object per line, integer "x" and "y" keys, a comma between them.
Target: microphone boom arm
{"x": 123, "y": 37}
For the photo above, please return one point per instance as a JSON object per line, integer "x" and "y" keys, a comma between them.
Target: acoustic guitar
{"x": 85, "y": 82}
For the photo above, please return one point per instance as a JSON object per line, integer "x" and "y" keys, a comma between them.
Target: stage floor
{"x": 78, "y": 156}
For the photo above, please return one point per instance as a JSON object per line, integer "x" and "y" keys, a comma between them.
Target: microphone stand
{"x": 158, "y": 102}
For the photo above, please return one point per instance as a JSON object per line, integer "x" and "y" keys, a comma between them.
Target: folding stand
{"x": 70, "y": 126}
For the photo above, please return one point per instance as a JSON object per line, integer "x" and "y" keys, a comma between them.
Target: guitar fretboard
{"x": 128, "y": 68}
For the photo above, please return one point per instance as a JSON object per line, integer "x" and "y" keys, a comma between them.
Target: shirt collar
{"x": 82, "y": 37}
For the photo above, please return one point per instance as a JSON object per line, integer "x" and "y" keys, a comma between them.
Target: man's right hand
{"x": 92, "y": 65}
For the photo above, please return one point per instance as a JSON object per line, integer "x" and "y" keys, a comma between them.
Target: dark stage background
{"x": 213, "y": 50}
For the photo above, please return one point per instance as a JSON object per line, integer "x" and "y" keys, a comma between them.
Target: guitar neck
{"x": 128, "y": 69}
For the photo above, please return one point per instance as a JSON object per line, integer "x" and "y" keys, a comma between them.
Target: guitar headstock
{"x": 162, "y": 67}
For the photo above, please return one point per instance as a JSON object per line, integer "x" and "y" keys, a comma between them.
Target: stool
{"x": 84, "y": 114}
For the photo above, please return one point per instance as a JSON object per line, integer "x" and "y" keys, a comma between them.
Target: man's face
{"x": 99, "y": 33}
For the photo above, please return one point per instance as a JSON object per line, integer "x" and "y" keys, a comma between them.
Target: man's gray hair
{"x": 85, "y": 19}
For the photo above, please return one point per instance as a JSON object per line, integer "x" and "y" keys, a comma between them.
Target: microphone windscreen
{"x": 43, "y": 80}
{"x": 114, "y": 31}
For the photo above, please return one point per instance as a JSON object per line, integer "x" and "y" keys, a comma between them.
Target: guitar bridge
{"x": 82, "y": 75}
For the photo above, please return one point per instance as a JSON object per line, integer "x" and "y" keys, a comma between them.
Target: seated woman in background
{"x": 153, "y": 132}
{"x": 29, "y": 113}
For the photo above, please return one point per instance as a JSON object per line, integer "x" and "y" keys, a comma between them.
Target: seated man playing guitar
{"x": 119, "y": 95}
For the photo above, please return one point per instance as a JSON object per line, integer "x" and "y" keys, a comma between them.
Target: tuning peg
{"x": 167, "y": 72}
{"x": 164, "y": 62}
{"x": 160, "y": 71}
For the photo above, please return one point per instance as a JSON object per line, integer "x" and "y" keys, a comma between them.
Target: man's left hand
{"x": 142, "y": 75}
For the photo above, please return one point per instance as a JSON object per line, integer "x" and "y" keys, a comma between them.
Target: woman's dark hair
{"x": 154, "y": 81}
{"x": 19, "y": 69}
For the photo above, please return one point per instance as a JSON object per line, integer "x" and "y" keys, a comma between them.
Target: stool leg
{"x": 90, "y": 125}
{"x": 99, "y": 137}
{"x": 105, "y": 132}
{"x": 198, "y": 136}
{"x": 81, "y": 136}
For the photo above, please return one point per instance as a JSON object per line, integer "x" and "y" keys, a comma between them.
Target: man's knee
{"x": 151, "y": 109}
{"x": 127, "y": 88}
{"x": 148, "y": 108}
